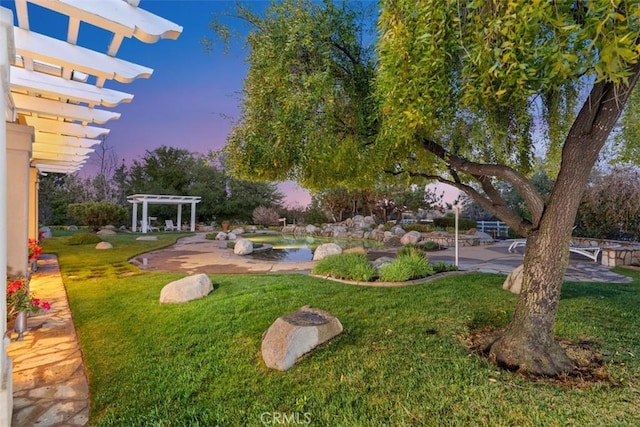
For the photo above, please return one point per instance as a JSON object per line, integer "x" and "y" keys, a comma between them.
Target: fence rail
{"x": 494, "y": 228}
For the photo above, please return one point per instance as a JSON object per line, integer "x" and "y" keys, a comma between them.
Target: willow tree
{"x": 308, "y": 107}
{"x": 463, "y": 86}
{"x": 467, "y": 91}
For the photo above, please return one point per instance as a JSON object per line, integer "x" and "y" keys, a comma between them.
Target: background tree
{"x": 610, "y": 207}
{"x": 460, "y": 85}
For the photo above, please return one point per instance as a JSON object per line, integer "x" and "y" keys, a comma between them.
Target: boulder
{"x": 325, "y": 250}
{"x": 104, "y": 245}
{"x": 45, "y": 233}
{"x": 222, "y": 236}
{"x": 243, "y": 247}
{"x": 397, "y": 230}
{"x": 72, "y": 228}
{"x": 513, "y": 283}
{"x": 312, "y": 229}
{"x": 186, "y": 289}
{"x": 411, "y": 238}
{"x": 296, "y": 334}
{"x": 288, "y": 229}
{"x": 232, "y": 236}
{"x": 109, "y": 227}
{"x": 378, "y": 263}
{"x": 105, "y": 232}
{"x": 238, "y": 231}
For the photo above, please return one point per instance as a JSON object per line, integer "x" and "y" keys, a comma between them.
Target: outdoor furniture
{"x": 152, "y": 227}
{"x": 590, "y": 252}
{"x": 168, "y": 225}
{"x": 516, "y": 244}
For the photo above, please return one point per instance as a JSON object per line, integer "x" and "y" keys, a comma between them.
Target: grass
{"x": 400, "y": 361}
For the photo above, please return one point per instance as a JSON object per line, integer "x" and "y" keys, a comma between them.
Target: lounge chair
{"x": 590, "y": 252}
{"x": 168, "y": 225}
{"x": 152, "y": 227}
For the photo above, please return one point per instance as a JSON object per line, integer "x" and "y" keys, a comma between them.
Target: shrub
{"x": 430, "y": 246}
{"x": 422, "y": 228}
{"x": 98, "y": 214}
{"x": 441, "y": 267}
{"x": 265, "y": 216}
{"x": 463, "y": 223}
{"x": 411, "y": 250}
{"x": 84, "y": 239}
{"x": 351, "y": 266}
{"x": 406, "y": 267}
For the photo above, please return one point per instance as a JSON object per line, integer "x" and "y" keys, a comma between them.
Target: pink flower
{"x": 45, "y": 306}
{"x": 36, "y": 301}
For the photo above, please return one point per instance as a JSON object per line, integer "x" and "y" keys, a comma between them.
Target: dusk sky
{"x": 192, "y": 97}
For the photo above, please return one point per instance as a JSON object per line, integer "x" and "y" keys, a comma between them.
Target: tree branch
{"x": 529, "y": 193}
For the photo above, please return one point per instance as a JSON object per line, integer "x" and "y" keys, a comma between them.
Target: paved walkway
{"x": 49, "y": 383}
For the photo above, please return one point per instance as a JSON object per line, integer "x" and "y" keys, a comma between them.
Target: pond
{"x": 289, "y": 248}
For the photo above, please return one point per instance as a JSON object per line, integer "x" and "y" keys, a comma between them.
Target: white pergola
{"x": 55, "y": 105}
{"x": 155, "y": 199}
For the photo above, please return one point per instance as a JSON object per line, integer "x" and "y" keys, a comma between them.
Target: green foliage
{"x": 441, "y": 267}
{"x": 84, "y": 239}
{"x": 430, "y": 245}
{"x": 307, "y": 110}
{"x": 408, "y": 266}
{"x": 463, "y": 223}
{"x": 422, "y": 228}
{"x": 350, "y": 266}
{"x": 98, "y": 214}
{"x": 413, "y": 250}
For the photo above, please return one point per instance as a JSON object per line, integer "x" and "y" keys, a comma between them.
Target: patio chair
{"x": 168, "y": 225}
{"x": 151, "y": 227}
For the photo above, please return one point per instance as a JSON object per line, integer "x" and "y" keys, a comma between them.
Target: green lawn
{"x": 400, "y": 361}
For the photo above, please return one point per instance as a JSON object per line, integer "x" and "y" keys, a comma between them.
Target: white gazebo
{"x": 155, "y": 199}
{"x": 55, "y": 104}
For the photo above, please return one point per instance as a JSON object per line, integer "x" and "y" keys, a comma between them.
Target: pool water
{"x": 289, "y": 248}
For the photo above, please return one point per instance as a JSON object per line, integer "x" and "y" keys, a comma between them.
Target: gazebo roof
{"x": 162, "y": 199}
{"x": 56, "y": 85}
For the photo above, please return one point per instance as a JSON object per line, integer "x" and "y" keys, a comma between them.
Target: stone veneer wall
{"x": 614, "y": 252}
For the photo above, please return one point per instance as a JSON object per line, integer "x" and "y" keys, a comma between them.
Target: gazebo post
{"x": 193, "y": 216}
{"x": 144, "y": 215}
{"x": 180, "y": 217}
{"x": 134, "y": 217}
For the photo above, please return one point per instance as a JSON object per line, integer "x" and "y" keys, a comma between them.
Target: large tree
{"x": 468, "y": 91}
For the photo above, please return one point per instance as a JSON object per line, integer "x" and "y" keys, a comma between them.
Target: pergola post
{"x": 179, "y": 217}
{"x": 33, "y": 204}
{"x": 193, "y": 216}
{"x": 144, "y": 216}
{"x": 134, "y": 217}
{"x": 6, "y": 375}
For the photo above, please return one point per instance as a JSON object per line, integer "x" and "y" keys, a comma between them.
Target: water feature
{"x": 290, "y": 248}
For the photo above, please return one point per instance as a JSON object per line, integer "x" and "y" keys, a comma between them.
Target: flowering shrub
{"x": 35, "y": 250}
{"x": 20, "y": 299}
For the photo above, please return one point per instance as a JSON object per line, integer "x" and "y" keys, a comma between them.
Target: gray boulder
{"x": 513, "y": 283}
{"x": 238, "y": 231}
{"x": 72, "y": 228}
{"x": 222, "y": 236}
{"x": 106, "y": 232}
{"x": 296, "y": 334}
{"x": 312, "y": 229}
{"x": 378, "y": 263}
{"x": 411, "y": 238}
{"x": 232, "y": 236}
{"x": 397, "y": 230}
{"x": 104, "y": 245}
{"x": 186, "y": 289}
{"x": 243, "y": 247}
{"x": 325, "y": 250}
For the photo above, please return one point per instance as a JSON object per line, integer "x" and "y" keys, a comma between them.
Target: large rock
{"x": 312, "y": 229}
{"x": 104, "y": 245}
{"x": 397, "y": 230}
{"x": 222, "y": 236}
{"x": 106, "y": 232}
{"x": 325, "y": 250}
{"x": 513, "y": 283}
{"x": 411, "y": 238}
{"x": 243, "y": 247}
{"x": 238, "y": 231}
{"x": 186, "y": 289}
{"x": 296, "y": 334}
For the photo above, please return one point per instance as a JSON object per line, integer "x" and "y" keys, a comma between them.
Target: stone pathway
{"x": 49, "y": 383}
